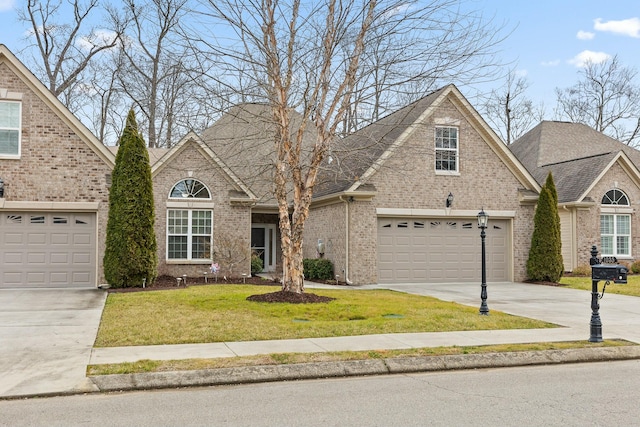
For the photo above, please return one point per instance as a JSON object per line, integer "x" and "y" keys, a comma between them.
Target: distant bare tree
{"x": 65, "y": 47}
{"x": 309, "y": 61}
{"x": 160, "y": 71}
{"x": 509, "y": 111}
{"x": 606, "y": 99}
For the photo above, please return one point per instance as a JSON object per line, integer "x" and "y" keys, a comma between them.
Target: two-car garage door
{"x": 44, "y": 249}
{"x": 424, "y": 250}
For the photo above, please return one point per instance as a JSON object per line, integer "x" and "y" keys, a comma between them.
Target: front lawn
{"x": 631, "y": 288}
{"x": 217, "y": 313}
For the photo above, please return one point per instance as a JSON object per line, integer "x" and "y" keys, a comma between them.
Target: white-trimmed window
{"x": 190, "y": 188}
{"x": 189, "y": 234}
{"x": 10, "y": 123}
{"x": 446, "y": 144}
{"x": 615, "y": 224}
{"x": 189, "y": 228}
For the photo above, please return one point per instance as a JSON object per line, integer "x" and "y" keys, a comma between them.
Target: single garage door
{"x": 41, "y": 249}
{"x": 423, "y": 250}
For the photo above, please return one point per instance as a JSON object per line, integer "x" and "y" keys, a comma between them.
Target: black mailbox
{"x": 611, "y": 272}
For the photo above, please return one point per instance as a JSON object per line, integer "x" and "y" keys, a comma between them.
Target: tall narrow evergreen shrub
{"x": 545, "y": 256}
{"x": 130, "y": 256}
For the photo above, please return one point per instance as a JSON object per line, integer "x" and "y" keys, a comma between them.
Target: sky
{"x": 547, "y": 40}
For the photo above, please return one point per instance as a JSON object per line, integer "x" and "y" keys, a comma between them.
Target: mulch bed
{"x": 168, "y": 283}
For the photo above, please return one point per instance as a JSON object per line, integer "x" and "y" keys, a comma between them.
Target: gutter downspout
{"x": 346, "y": 239}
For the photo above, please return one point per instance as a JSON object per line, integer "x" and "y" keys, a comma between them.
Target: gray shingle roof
{"x": 575, "y": 153}
{"x": 356, "y": 153}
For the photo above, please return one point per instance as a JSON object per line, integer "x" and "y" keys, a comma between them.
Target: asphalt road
{"x": 605, "y": 394}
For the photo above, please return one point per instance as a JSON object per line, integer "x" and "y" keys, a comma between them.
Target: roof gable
{"x": 369, "y": 148}
{"x": 44, "y": 94}
{"x": 191, "y": 138}
{"x": 577, "y": 155}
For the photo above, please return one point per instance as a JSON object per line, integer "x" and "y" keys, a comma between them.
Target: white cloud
{"x": 98, "y": 38}
{"x": 553, "y": 63}
{"x": 581, "y": 59}
{"x": 585, "y": 35}
{"x": 626, "y": 27}
{"x": 6, "y": 5}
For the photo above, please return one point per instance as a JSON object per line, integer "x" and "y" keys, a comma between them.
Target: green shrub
{"x": 545, "y": 256}
{"x": 130, "y": 257}
{"x": 256, "y": 263}
{"x": 317, "y": 269}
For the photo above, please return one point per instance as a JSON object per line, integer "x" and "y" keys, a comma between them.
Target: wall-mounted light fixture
{"x": 449, "y": 200}
{"x": 320, "y": 248}
{"x": 1, "y": 188}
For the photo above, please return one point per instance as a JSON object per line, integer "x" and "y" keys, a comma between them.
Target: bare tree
{"x": 306, "y": 60}
{"x": 160, "y": 72}
{"x": 606, "y": 99}
{"x": 509, "y": 111}
{"x": 66, "y": 48}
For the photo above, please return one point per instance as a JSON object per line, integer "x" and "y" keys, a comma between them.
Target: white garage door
{"x": 423, "y": 250}
{"x": 47, "y": 249}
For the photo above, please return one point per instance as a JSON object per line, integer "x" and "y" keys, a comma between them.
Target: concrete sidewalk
{"x": 46, "y": 351}
{"x": 566, "y": 307}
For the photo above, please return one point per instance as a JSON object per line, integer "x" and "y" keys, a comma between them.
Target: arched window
{"x": 190, "y": 188}
{"x": 615, "y": 197}
{"x": 615, "y": 224}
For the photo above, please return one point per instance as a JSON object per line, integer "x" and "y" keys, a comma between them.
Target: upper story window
{"x": 10, "y": 112}
{"x": 615, "y": 197}
{"x": 190, "y": 188}
{"x": 446, "y": 149}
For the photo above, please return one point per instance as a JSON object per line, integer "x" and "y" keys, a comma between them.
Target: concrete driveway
{"x": 620, "y": 314}
{"x": 46, "y": 336}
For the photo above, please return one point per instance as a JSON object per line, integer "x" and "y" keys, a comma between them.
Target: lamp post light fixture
{"x": 483, "y": 219}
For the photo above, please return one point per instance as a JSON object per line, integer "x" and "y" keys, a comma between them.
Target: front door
{"x": 263, "y": 243}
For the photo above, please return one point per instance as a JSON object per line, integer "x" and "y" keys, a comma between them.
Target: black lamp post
{"x": 483, "y": 219}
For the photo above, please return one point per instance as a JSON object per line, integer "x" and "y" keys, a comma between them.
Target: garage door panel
{"x": 48, "y": 249}
{"x": 436, "y": 250}
{"x": 36, "y": 239}
{"x": 13, "y": 238}
{"x": 60, "y": 239}
{"x": 38, "y": 258}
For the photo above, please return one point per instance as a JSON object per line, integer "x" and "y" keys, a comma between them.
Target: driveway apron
{"x": 46, "y": 336}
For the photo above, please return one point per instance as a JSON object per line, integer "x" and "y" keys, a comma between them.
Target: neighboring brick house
{"x": 382, "y": 213}
{"x": 53, "y": 214}
{"x": 598, "y": 184}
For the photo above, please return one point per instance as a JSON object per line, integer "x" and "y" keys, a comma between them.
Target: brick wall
{"x": 408, "y": 181}
{"x": 56, "y": 165}
{"x": 234, "y": 221}
{"x": 588, "y": 220}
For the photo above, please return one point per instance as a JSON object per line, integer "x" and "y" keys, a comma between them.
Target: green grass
{"x": 632, "y": 288}
{"x": 290, "y": 358}
{"x": 217, "y": 313}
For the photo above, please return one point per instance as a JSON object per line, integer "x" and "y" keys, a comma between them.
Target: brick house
{"x": 400, "y": 199}
{"x": 598, "y": 184}
{"x": 53, "y": 212}
{"x": 397, "y": 201}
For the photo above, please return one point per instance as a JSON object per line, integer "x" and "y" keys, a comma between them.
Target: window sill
{"x": 448, "y": 173}
{"x": 189, "y": 261}
{"x": 10, "y": 156}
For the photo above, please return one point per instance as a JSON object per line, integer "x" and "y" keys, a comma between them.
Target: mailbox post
{"x": 606, "y": 269}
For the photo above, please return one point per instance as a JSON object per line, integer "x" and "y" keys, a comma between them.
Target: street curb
{"x": 400, "y": 365}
